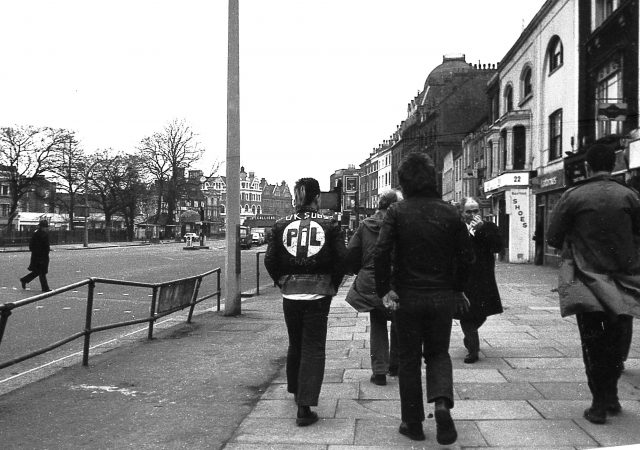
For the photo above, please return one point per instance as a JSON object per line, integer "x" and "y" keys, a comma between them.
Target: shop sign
{"x": 634, "y": 154}
{"x": 507, "y": 179}
{"x": 549, "y": 181}
{"x": 517, "y": 206}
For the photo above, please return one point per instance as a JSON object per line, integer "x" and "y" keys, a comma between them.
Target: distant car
{"x": 257, "y": 238}
{"x": 245, "y": 237}
{"x": 194, "y": 237}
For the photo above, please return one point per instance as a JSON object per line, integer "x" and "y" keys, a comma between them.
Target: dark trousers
{"x": 307, "y": 327}
{"x": 33, "y": 275}
{"x": 384, "y": 352}
{"x": 424, "y": 329}
{"x": 603, "y": 348}
{"x": 471, "y": 338}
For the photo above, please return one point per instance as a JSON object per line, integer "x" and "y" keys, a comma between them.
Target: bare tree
{"x": 129, "y": 189}
{"x": 26, "y": 152}
{"x": 67, "y": 166}
{"x": 105, "y": 166}
{"x": 165, "y": 156}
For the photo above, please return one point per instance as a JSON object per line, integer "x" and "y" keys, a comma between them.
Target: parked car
{"x": 257, "y": 238}
{"x": 194, "y": 237}
{"x": 245, "y": 237}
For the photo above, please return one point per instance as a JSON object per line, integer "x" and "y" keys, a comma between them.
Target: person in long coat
{"x": 480, "y": 288}
{"x": 39, "y": 263}
{"x": 362, "y": 294}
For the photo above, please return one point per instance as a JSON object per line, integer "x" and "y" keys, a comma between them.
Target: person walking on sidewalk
{"x": 597, "y": 225}
{"x": 362, "y": 294}
{"x": 305, "y": 259}
{"x": 431, "y": 255}
{"x": 480, "y": 288}
{"x": 39, "y": 263}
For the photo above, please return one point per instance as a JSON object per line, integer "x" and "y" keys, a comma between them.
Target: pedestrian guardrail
{"x": 167, "y": 298}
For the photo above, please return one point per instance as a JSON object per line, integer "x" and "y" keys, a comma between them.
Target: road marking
{"x": 96, "y": 389}
{"x": 80, "y": 353}
{"x": 125, "y": 294}
{"x": 66, "y": 307}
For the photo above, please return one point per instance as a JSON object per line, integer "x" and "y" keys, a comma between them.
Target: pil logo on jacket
{"x": 303, "y": 238}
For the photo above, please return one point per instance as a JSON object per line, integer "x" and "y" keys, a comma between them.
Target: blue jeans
{"x": 307, "y": 327}
{"x": 423, "y": 322}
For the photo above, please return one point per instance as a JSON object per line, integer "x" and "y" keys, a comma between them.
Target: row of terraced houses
{"x": 514, "y": 133}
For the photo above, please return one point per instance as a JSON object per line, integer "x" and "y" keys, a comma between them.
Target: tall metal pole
{"x": 232, "y": 277}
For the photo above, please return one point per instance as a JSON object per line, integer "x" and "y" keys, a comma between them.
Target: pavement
{"x": 219, "y": 382}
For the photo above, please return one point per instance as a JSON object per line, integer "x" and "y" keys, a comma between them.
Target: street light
{"x": 85, "y": 242}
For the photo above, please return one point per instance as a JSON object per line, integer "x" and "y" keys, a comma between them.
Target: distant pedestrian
{"x": 425, "y": 249}
{"x": 480, "y": 288}
{"x": 305, "y": 258}
{"x": 597, "y": 225}
{"x": 362, "y": 294}
{"x": 39, "y": 263}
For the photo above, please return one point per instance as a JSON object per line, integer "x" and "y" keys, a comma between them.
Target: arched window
{"x": 508, "y": 98}
{"x": 554, "y": 54}
{"x": 527, "y": 88}
{"x": 253, "y": 209}
{"x": 221, "y": 209}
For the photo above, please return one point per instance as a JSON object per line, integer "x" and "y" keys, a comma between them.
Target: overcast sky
{"x": 322, "y": 82}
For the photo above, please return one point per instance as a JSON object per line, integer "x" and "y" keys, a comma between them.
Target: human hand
{"x": 390, "y": 300}
{"x": 462, "y": 303}
{"x": 476, "y": 222}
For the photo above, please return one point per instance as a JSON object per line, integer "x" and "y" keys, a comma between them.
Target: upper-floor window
{"x": 555, "y": 54}
{"x": 508, "y": 98}
{"x": 527, "y": 88}
{"x": 4, "y": 189}
{"x": 555, "y": 135}
{"x": 602, "y": 10}
{"x": 609, "y": 92}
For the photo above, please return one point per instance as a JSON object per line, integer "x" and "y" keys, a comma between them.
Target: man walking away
{"x": 305, "y": 258}
{"x": 39, "y": 264}
{"x": 597, "y": 224}
{"x": 432, "y": 253}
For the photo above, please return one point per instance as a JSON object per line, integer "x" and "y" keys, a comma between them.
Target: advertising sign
{"x": 517, "y": 206}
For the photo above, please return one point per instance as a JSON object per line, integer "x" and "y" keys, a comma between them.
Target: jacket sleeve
{"x": 339, "y": 254}
{"x": 382, "y": 253}
{"x": 464, "y": 256}
{"x": 271, "y": 257}
{"x": 560, "y": 223}
{"x": 353, "y": 262}
{"x": 488, "y": 235}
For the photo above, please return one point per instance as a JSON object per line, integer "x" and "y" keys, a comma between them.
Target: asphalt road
{"x": 42, "y": 323}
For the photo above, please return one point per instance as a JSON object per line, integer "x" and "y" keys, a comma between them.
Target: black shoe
{"x": 595, "y": 414}
{"x": 445, "y": 429}
{"x": 47, "y": 290}
{"x": 614, "y": 408}
{"x": 412, "y": 430}
{"x": 23, "y": 284}
{"x": 393, "y": 371}
{"x": 471, "y": 358}
{"x": 309, "y": 418}
{"x": 379, "y": 378}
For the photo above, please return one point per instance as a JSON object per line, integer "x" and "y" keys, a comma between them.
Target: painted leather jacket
{"x": 306, "y": 253}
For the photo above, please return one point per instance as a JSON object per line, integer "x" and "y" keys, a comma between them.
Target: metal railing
{"x": 167, "y": 298}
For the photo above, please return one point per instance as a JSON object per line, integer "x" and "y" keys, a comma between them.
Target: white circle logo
{"x": 303, "y": 238}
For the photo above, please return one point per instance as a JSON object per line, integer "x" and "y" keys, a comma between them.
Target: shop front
{"x": 510, "y": 196}
{"x": 547, "y": 190}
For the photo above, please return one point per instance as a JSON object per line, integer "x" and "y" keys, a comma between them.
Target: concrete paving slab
{"x": 628, "y": 390}
{"x": 521, "y": 352}
{"x": 493, "y": 410}
{"x": 370, "y": 391}
{"x": 384, "y": 432}
{"x": 619, "y": 430}
{"x": 483, "y": 363}
{"x": 285, "y": 431}
{"x": 478, "y": 376}
{"x": 545, "y": 363}
{"x": 496, "y": 391}
{"x": 506, "y": 343}
{"x": 341, "y": 344}
{"x": 527, "y": 433}
{"x": 342, "y": 334}
{"x": 343, "y": 363}
{"x": 544, "y": 375}
{"x": 563, "y": 391}
{"x": 357, "y": 375}
{"x": 287, "y": 409}
{"x": 368, "y": 409}
{"x": 329, "y": 391}
{"x": 245, "y": 446}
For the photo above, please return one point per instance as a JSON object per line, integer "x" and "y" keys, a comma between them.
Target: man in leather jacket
{"x": 305, "y": 258}
{"x": 432, "y": 253}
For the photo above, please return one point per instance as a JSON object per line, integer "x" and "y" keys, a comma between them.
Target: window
{"x": 555, "y": 135}
{"x": 4, "y": 189}
{"x": 603, "y": 9}
{"x": 608, "y": 91}
{"x": 4, "y": 210}
{"x": 508, "y": 98}
{"x": 555, "y": 54}
{"x": 527, "y": 89}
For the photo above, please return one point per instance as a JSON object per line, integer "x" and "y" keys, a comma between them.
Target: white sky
{"x": 322, "y": 82}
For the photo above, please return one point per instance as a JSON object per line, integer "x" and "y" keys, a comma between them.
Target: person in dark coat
{"x": 480, "y": 288}
{"x": 362, "y": 294}
{"x": 39, "y": 264}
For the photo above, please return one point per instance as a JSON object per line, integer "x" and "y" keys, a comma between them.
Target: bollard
{"x": 87, "y": 324}
{"x": 258, "y": 273}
